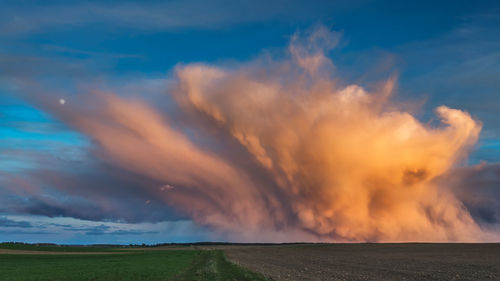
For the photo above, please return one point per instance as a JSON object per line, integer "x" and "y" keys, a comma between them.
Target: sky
{"x": 249, "y": 121}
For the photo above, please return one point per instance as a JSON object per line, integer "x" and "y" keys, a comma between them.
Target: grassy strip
{"x": 213, "y": 265}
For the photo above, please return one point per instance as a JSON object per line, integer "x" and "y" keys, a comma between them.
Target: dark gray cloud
{"x": 120, "y": 232}
{"x": 5, "y": 222}
{"x": 478, "y": 188}
{"x": 94, "y": 230}
{"x": 22, "y": 232}
{"x": 108, "y": 230}
{"x": 94, "y": 192}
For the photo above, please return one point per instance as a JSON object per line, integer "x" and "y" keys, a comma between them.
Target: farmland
{"x": 406, "y": 261}
{"x": 279, "y": 262}
{"x": 27, "y": 262}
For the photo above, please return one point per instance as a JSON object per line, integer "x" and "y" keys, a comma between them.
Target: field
{"x": 26, "y": 262}
{"x": 253, "y": 262}
{"x": 372, "y": 261}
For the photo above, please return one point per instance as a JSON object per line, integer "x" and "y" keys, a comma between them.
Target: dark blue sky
{"x": 444, "y": 52}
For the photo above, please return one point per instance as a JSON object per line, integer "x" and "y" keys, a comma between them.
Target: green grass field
{"x": 139, "y": 265}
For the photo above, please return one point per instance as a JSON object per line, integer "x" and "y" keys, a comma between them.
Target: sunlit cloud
{"x": 285, "y": 151}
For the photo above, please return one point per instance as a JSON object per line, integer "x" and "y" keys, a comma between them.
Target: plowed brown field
{"x": 371, "y": 261}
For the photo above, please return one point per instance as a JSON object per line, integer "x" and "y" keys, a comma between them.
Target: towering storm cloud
{"x": 281, "y": 150}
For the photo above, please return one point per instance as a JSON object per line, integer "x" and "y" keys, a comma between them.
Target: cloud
{"x": 478, "y": 187}
{"x": 108, "y": 230}
{"x": 121, "y": 232}
{"x": 91, "y": 191}
{"x": 5, "y": 222}
{"x": 68, "y": 230}
{"x": 283, "y": 151}
{"x": 152, "y": 15}
{"x": 21, "y": 232}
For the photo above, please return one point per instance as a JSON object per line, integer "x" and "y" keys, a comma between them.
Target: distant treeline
{"x": 153, "y": 245}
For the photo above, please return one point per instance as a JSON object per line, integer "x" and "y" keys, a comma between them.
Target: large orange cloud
{"x": 330, "y": 162}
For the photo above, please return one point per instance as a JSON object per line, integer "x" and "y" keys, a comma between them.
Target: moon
{"x": 62, "y": 101}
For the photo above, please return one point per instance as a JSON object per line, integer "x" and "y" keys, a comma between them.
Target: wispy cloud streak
{"x": 151, "y": 15}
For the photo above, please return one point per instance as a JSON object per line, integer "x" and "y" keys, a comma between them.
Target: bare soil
{"x": 407, "y": 261}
